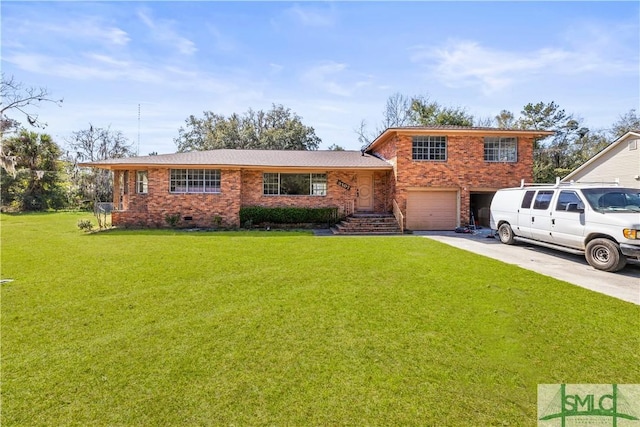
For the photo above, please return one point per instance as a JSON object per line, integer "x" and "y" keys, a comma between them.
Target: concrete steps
{"x": 367, "y": 224}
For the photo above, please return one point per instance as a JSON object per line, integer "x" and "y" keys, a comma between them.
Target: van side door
{"x": 541, "y": 216}
{"x": 523, "y": 226}
{"x": 567, "y": 220}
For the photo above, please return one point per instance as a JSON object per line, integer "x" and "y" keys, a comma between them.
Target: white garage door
{"x": 432, "y": 210}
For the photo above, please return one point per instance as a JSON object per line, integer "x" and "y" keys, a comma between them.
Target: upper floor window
{"x": 194, "y": 181}
{"x": 500, "y": 149}
{"x": 142, "y": 182}
{"x": 295, "y": 184}
{"x": 429, "y": 148}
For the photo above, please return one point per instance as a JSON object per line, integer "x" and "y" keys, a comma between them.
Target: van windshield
{"x": 613, "y": 199}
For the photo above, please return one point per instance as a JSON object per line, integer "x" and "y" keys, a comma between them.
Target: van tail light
{"x": 630, "y": 233}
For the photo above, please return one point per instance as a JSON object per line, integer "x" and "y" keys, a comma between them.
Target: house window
{"x": 294, "y": 184}
{"x": 500, "y": 149}
{"x": 142, "y": 182}
{"x": 194, "y": 181}
{"x": 429, "y": 148}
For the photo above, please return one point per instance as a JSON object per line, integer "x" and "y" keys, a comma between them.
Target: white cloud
{"x": 335, "y": 78}
{"x": 470, "y": 64}
{"x": 312, "y": 16}
{"x": 467, "y": 63}
{"x": 86, "y": 28}
{"x": 221, "y": 41}
{"x": 163, "y": 31}
{"x": 275, "y": 68}
{"x": 114, "y": 35}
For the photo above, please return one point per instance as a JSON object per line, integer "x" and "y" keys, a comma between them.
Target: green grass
{"x": 273, "y": 328}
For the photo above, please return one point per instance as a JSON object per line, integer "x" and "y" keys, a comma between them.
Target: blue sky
{"x": 333, "y": 63}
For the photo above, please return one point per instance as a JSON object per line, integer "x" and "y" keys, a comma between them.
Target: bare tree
{"x": 15, "y": 96}
{"x": 397, "y": 112}
{"x": 486, "y": 122}
{"x": 91, "y": 145}
{"x": 419, "y": 110}
{"x": 365, "y": 137}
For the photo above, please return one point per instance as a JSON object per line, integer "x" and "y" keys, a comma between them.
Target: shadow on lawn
{"x": 199, "y": 232}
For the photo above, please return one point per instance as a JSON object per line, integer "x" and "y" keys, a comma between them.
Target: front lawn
{"x": 161, "y": 327}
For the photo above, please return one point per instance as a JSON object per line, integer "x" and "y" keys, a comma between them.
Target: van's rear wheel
{"x": 603, "y": 254}
{"x": 506, "y": 234}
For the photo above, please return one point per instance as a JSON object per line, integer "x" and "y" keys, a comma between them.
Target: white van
{"x": 601, "y": 222}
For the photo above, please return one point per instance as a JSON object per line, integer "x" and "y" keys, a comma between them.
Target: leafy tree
{"x": 18, "y": 99}
{"x": 35, "y": 184}
{"x": 505, "y": 120}
{"x": 91, "y": 145}
{"x": 431, "y": 113}
{"x": 625, "y": 123}
{"x": 401, "y": 110}
{"x": 276, "y": 129}
{"x": 336, "y": 147}
{"x": 542, "y": 116}
{"x": 553, "y": 156}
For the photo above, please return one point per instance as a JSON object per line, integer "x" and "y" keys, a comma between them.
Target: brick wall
{"x": 238, "y": 188}
{"x": 252, "y": 192}
{"x": 464, "y": 170}
{"x": 151, "y": 209}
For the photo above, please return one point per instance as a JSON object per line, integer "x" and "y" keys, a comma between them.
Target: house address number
{"x": 344, "y": 185}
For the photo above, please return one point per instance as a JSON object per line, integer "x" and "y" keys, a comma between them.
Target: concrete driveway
{"x": 574, "y": 269}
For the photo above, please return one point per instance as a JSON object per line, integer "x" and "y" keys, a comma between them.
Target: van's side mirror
{"x": 575, "y": 207}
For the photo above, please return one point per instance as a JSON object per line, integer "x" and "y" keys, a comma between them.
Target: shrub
{"x": 85, "y": 225}
{"x": 287, "y": 215}
{"x": 172, "y": 219}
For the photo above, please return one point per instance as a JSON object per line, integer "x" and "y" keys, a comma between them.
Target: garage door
{"x": 432, "y": 210}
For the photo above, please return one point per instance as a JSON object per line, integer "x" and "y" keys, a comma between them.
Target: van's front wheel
{"x": 506, "y": 234}
{"x": 603, "y": 254}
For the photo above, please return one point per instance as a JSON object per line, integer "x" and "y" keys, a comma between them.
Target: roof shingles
{"x": 253, "y": 158}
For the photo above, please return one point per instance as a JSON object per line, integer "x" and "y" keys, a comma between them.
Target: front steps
{"x": 367, "y": 224}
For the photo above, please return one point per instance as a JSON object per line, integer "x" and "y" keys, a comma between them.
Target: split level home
{"x": 618, "y": 162}
{"x": 429, "y": 178}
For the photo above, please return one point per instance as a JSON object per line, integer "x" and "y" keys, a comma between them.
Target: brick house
{"x": 430, "y": 178}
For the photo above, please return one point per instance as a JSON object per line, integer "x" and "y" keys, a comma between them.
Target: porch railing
{"x": 346, "y": 209}
{"x": 398, "y": 214}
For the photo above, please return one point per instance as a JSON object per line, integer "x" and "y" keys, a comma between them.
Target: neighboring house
{"x": 619, "y": 161}
{"x": 429, "y": 177}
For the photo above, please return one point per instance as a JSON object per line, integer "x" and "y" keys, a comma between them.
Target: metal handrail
{"x": 398, "y": 214}
{"x": 346, "y": 209}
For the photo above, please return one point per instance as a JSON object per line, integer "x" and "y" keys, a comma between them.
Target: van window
{"x": 565, "y": 198}
{"x": 543, "y": 199}
{"x": 526, "y": 201}
{"x": 613, "y": 199}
